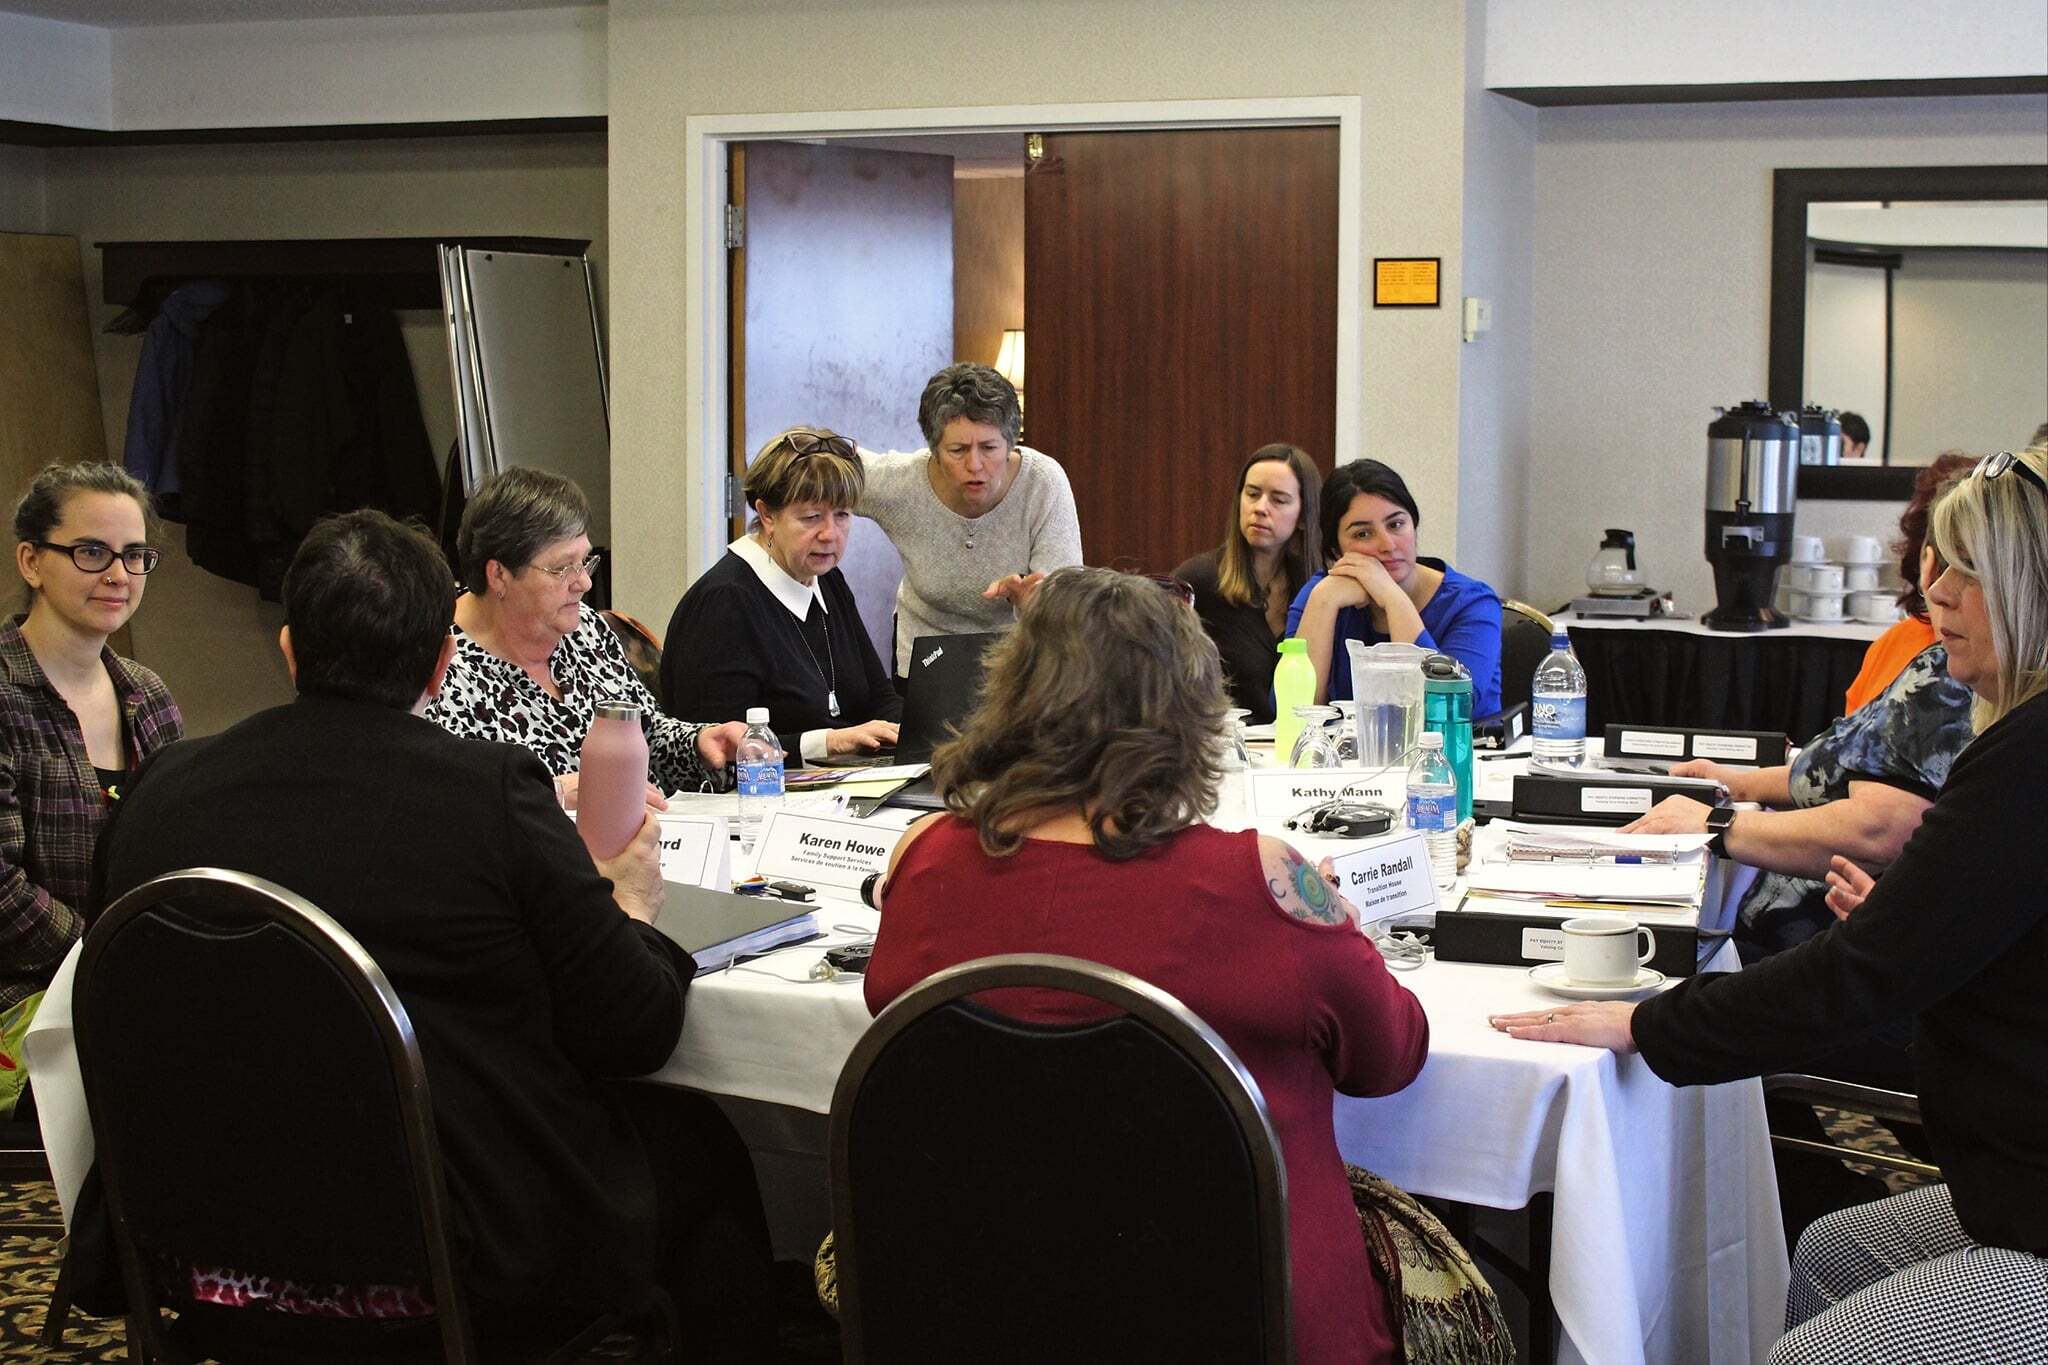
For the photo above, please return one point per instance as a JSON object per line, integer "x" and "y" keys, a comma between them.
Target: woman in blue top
{"x": 1377, "y": 589}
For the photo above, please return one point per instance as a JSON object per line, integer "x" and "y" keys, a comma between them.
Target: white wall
{"x": 52, "y": 72}
{"x": 21, "y": 189}
{"x": 1493, "y": 370}
{"x": 1652, "y": 298}
{"x": 214, "y": 641}
{"x": 1969, "y": 352}
{"x": 1846, "y": 340}
{"x": 1404, "y": 59}
{"x": 392, "y": 69}
{"x": 1709, "y": 42}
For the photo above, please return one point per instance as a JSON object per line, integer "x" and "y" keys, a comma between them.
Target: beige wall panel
{"x": 988, "y": 264}
{"x": 670, "y": 60}
{"x": 215, "y": 642}
{"x": 49, "y": 391}
{"x": 1652, "y": 303}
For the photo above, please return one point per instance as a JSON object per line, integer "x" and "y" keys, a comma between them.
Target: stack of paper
{"x": 1578, "y": 864}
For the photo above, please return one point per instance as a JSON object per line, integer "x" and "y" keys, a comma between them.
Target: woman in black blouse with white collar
{"x": 774, "y": 623}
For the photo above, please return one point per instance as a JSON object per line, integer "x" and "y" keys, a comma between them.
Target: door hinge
{"x": 735, "y": 497}
{"x": 735, "y": 227}
{"x": 1034, "y": 147}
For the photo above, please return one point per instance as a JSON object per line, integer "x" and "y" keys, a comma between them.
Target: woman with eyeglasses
{"x": 774, "y": 623}
{"x": 532, "y": 662}
{"x": 978, "y": 518}
{"x": 76, "y": 719}
{"x": 1955, "y": 936}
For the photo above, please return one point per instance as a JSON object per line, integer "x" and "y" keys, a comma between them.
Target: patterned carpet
{"x": 30, "y": 1225}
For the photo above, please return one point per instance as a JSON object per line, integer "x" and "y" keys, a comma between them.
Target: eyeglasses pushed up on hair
{"x": 2005, "y": 462}
{"x": 92, "y": 557}
{"x": 586, "y": 567}
{"x": 803, "y": 443}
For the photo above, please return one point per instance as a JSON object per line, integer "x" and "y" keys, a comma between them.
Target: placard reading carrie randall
{"x": 1283, "y": 792}
{"x": 696, "y": 852}
{"x": 1387, "y": 877}
{"x": 823, "y": 850}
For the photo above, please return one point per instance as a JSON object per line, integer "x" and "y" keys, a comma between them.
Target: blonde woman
{"x": 1955, "y": 935}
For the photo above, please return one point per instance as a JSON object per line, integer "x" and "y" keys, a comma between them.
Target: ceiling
{"x": 133, "y": 13}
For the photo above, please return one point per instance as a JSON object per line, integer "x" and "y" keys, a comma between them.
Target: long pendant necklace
{"x": 830, "y": 680}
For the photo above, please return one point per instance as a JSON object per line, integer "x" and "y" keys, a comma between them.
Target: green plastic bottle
{"x": 1294, "y": 684}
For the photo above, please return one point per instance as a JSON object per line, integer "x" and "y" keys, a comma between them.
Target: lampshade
{"x": 1010, "y": 358}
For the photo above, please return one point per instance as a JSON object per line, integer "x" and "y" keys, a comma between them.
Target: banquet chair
{"x": 1886, "y": 1106}
{"x": 258, "y": 1102}
{"x": 1013, "y": 1191}
{"x": 1524, "y": 640}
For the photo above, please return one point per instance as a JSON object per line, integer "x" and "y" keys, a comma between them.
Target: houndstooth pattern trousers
{"x": 1898, "y": 1282}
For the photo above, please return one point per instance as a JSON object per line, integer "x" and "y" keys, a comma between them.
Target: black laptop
{"x": 715, "y": 927}
{"x": 945, "y": 675}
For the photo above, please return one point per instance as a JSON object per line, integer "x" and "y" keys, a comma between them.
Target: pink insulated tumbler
{"x": 611, "y": 795}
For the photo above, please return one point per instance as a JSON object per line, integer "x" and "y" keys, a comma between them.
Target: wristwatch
{"x": 1718, "y": 820}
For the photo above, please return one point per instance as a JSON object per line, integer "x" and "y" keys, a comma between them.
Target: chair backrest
{"x": 1891, "y": 1106}
{"x": 1524, "y": 640}
{"x": 257, "y": 1096}
{"x": 1005, "y": 1190}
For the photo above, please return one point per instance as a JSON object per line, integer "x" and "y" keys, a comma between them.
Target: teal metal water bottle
{"x": 1447, "y": 711}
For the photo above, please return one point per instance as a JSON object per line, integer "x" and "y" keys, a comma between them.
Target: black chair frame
{"x": 1152, "y": 1007}
{"x": 1894, "y": 1106}
{"x": 249, "y": 900}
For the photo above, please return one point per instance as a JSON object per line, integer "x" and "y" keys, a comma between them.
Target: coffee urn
{"x": 1820, "y": 435}
{"x": 1752, "y": 466}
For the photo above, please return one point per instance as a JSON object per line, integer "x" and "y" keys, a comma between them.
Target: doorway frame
{"x": 708, "y": 138}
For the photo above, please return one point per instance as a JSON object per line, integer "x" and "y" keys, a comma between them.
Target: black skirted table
{"x": 1677, "y": 672}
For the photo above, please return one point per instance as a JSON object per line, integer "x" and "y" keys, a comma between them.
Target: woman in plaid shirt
{"x": 76, "y": 719}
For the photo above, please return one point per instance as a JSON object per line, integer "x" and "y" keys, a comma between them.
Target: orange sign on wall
{"x": 1406, "y": 282}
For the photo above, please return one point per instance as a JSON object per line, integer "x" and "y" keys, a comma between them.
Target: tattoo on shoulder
{"x": 1302, "y": 892}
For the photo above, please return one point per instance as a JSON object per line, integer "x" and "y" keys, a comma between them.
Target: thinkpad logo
{"x": 926, "y": 661}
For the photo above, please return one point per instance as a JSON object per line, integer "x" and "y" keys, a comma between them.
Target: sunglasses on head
{"x": 804, "y": 443}
{"x": 2005, "y": 462}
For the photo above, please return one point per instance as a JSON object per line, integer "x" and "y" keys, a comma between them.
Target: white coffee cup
{"x": 1816, "y": 577}
{"x": 1861, "y": 578}
{"x": 1808, "y": 549}
{"x": 1863, "y": 550}
{"x": 1600, "y": 950}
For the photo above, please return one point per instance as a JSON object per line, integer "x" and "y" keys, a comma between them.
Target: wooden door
{"x": 1180, "y": 306}
{"x": 842, "y": 293}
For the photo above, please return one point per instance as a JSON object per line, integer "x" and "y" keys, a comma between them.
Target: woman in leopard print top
{"x": 532, "y": 661}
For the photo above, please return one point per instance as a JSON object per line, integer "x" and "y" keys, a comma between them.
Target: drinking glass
{"x": 1317, "y": 746}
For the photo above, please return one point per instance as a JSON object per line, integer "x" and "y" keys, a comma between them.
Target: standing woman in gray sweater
{"x": 977, "y": 518}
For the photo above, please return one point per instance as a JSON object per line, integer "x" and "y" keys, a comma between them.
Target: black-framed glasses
{"x": 587, "y": 567}
{"x": 2005, "y": 462}
{"x": 93, "y": 557}
{"x": 802, "y": 443}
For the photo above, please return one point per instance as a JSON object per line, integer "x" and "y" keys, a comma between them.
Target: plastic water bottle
{"x": 1557, "y": 706}
{"x": 1433, "y": 806}
{"x": 1294, "y": 684}
{"x": 760, "y": 765}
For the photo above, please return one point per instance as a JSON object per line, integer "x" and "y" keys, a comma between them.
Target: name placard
{"x": 1281, "y": 792}
{"x": 1387, "y": 877}
{"x": 823, "y": 850}
{"x": 696, "y": 851}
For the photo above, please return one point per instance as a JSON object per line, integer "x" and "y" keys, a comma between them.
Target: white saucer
{"x": 1550, "y": 976}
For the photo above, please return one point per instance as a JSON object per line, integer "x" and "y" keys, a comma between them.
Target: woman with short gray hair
{"x": 977, "y": 518}
{"x": 532, "y": 661}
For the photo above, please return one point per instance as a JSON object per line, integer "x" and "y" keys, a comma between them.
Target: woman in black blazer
{"x": 774, "y": 623}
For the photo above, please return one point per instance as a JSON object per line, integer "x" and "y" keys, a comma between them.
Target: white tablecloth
{"x": 1666, "y": 1244}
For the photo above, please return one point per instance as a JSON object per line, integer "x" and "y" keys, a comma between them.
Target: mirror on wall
{"x": 1917, "y": 298}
